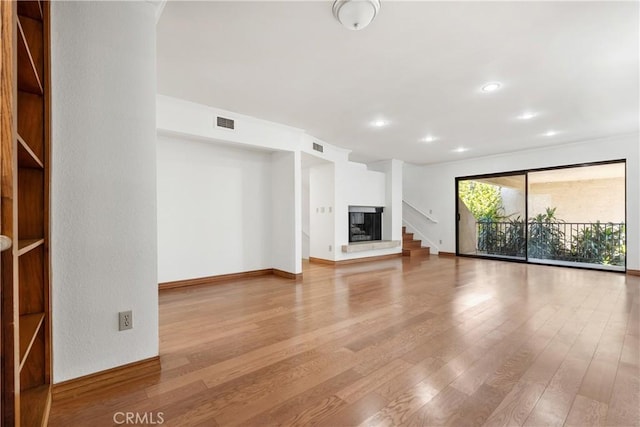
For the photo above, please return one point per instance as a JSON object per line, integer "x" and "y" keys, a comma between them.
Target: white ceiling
{"x": 419, "y": 65}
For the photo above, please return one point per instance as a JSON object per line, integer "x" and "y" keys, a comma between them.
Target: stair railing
{"x": 424, "y": 218}
{"x": 426, "y": 215}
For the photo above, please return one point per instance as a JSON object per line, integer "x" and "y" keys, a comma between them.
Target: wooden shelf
{"x": 31, "y": 206}
{"x": 26, "y": 245}
{"x": 26, "y": 157}
{"x": 30, "y": 8}
{"x": 28, "y": 76}
{"x": 34, "y": 406}
{"x": 32, "y": 281}
{"x": 29, "y": 327}
{"x": 26, "y": 303}
{"x": 30, "y": 122}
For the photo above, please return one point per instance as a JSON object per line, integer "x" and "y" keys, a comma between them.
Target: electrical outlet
{"x": 125, "y": 320}
{"x": 441, "y": 241}
{"x": 330, "y": 247}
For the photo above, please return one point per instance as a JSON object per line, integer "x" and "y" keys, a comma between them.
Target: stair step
{"x": 411, "y": 244}
{"x": 416, "y": 252}
{"x": 407, "y": 236}
{"x": 404, "y": 229}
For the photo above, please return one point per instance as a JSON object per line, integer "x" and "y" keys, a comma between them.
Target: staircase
{"x": 411, "y": 247}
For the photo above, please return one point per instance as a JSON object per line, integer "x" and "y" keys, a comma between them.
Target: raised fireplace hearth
{"x": 365, "y": 223}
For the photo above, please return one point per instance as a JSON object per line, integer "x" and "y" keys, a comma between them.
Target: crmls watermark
{"x": 149, "y": 418}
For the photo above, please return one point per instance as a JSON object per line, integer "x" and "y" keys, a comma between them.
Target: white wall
{"x": 513, "y": 202}
{"x": 196, "y": 120}
{"x": 356, "y": 186}
{"x": 188, "y": 120}
{"x": 354, "y": 183}
{"x": 591, "y": 200}
{"x": 335, "y": 187}
{"x": 433, "y": 186}
{"x": 103, "y": 185}
{"x": 286, "y": 219}
{"x": 180, "y": 117}
{"x": 321, "y": 217}
{"x": 306, "y": 226}
{"x": 214, "y": 209}
{"x": 392, "y": 217}
{"x": 359, "y": 186}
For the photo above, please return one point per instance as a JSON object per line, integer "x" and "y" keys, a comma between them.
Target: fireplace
{"x": 365, "y": 223}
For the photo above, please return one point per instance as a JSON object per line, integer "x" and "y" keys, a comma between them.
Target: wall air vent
{"x": 225, "y": 123}
{"x": 318, "y": 147}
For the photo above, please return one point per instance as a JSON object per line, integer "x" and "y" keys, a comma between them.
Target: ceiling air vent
{"x": 318, "y": 147}
{"x": 225, "y": 123}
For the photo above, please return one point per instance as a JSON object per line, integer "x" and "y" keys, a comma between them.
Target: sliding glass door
{"x": 573, "y": 216}
{"x": 492, "y": 215}
{"x": 577, "y": 216}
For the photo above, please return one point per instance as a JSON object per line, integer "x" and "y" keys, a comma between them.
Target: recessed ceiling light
{"x": 491, "y": 87}
{"x": 379, "y": 123}
{"x": 551, "y": 133}
{"x": 460, "y": 149}
{"x": 527, "y": 115}
{"x": 428, "y": 138}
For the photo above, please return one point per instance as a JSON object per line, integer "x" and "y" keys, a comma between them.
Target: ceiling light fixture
{"x": 491, "y": 87}
{"x": 527, "y": 115}
{"x": 428, "y": 138}
{"x": 379, "y": 123}
{"x": 355, "y": 14}
{"x": 551, "y": 133}
{"x": 460, "y": 150}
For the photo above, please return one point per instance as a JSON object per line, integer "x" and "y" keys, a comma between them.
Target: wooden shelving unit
{"x": 26, "y": 314}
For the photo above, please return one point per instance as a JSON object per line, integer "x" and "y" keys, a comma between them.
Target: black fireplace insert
{"x": 365, "y": 223}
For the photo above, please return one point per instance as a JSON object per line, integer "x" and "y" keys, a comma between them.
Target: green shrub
{"x": 600, "y": 244}
{"x": 483, "y": 200}
{"x": 546, "y": 239}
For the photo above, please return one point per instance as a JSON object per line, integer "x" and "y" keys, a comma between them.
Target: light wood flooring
{"x": 433, "y": 341}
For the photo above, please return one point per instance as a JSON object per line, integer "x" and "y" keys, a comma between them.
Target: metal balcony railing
{"x": 584, "y": 242}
